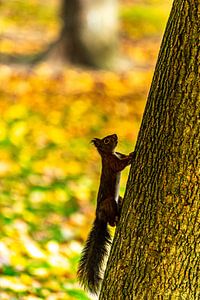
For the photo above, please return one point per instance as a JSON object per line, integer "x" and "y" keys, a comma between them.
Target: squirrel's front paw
{"x": 132, "y": 155}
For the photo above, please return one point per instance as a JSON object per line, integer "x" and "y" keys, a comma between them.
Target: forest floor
{"x": 48, "y": 169}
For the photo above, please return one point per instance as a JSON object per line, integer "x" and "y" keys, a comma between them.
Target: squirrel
{"x": 107, "y": 212}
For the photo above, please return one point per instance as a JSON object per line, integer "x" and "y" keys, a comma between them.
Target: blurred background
{"x": 69, "y": 72}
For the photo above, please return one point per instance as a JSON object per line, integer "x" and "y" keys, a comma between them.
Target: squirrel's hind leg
{"x": 119, "y": 207}
{"x": 120, "y": 204}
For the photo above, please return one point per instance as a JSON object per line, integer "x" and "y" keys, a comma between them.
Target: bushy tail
{"x": 92, "y": 258}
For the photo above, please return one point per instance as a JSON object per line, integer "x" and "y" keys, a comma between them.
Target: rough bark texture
{"x": 89, "y": 33}
{"x": 155, "y": 253}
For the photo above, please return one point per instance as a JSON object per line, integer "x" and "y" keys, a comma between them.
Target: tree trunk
{"x": 155, "y": 252}
{"x": 89, "y": 33}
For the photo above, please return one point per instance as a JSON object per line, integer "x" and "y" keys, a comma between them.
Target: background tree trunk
{"x": 155, "y": 253}
{"x": 89, "y": 33}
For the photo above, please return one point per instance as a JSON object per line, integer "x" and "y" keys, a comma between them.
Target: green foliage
{"x": 20, "y": 11}
{"x": 151, "y": 20}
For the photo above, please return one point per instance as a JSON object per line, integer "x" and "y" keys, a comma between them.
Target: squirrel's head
{"x": 107, "y": 144}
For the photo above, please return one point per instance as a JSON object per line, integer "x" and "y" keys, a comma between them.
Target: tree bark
{"x": 89, "y": 33}
{"x": 155, "y": 252}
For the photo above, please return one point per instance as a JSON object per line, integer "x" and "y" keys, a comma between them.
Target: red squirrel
{"x": 107, "y": 212}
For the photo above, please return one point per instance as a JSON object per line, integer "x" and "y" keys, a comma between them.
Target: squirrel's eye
{"x": 106, "y": 141}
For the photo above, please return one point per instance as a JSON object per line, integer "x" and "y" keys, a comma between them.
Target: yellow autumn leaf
{"x": 12, "y": 283}
{"x": 56, "y": 135}
{"x": 59, "y": 263}
{"x": 16, "y": 111}
{"x": 32, "y": 249}
{"x": 41, "y": 272}
{"x": 18, "y": 132}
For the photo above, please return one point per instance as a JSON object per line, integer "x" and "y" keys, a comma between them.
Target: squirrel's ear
{"x": 96, "y": 142}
